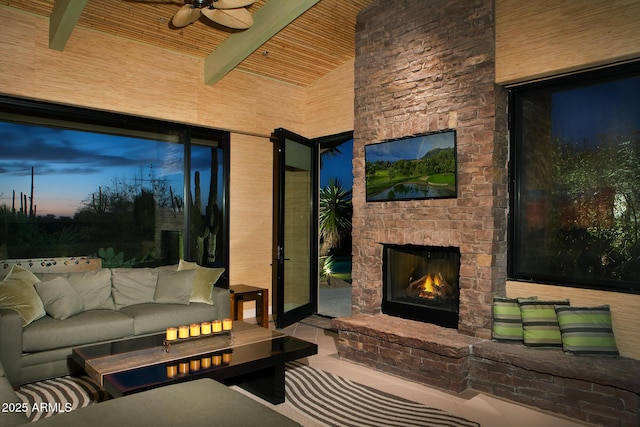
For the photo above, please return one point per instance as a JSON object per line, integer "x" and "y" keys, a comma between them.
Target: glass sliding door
{"x": 77, "y": 182}
{"x": 208, "y": 228}
{"x": 295, "y": 227}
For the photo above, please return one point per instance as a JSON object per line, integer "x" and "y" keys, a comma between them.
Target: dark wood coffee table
{"x": 251, "y": 357}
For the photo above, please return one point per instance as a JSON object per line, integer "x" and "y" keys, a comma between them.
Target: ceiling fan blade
{"x": 231, "y": 4}
{"x": 159, "y": 1}
{"x": 233, "y": 18}
{"x": 185, "y": 16}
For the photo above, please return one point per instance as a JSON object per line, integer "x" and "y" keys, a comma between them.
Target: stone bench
{"x": 598, "y": 390}
{"x": 418, "y": 351}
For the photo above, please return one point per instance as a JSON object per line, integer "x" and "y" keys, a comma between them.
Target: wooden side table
{"x": 241, "y": 293}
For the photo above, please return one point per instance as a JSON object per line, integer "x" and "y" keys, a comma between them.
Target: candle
{"x": 205, "y": 328}
{"x": 206, "y": 362}
{"x": 226, "y": 357}
{"x": 194, "y": 364}
{"x": 184, "y": 367}
{"x": 216, "y": 326}
{"x": 217, "y": 360}
{"x": 227, "y": 324}
{"x": 172, "y": 334}
{"x": 172, "y": 371}
{"x": 195, "y": 329}
{"x": 183, "y": 332}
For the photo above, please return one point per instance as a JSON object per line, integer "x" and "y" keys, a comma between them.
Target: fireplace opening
{"x": 422, "y": 283}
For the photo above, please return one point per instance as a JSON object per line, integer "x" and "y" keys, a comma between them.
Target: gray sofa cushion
{"x": 84, "y": 328}
{"x": 60, "y": 299}
{"x": 155, "y": 317}
{"x": 174, "y": 287}
{"x": 93, "y": 286}
{"x": 133, "y": 286}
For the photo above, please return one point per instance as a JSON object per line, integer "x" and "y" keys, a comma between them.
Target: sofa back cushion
{"x": 174, "y": 287}
{"x": 133, "y": 286}
{"x": 93, "y": 287}
{"x": 60, "y": 299}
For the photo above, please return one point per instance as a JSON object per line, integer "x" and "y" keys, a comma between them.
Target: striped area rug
{"x": 320, "y": 396}
{"x": 64, "y": 394}
{"x": 335, "y": 401}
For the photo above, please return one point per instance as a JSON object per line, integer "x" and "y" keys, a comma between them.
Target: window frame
{"x": 41, "y": 111}
{"x": 516, "y": 160}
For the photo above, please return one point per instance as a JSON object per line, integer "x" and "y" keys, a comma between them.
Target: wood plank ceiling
{"x": 314, "y": 44}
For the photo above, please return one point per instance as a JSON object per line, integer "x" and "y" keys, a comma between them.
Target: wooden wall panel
{"x": 251, "y": 199}
{"x": 537, "y": 39}
{"x": 17, "y": 54}
{"x": 329, "y": 103}
{"x": 624, "y": 309}
{"x": 110, "y": 73}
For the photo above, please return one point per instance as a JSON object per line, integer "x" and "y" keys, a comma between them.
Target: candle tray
{"x": 166, "y": 344}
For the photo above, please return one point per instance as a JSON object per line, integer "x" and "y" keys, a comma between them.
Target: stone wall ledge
{"x": 596, "y": 389}
{"x": 622, "y": 373}
{"x": 412, "y": 334}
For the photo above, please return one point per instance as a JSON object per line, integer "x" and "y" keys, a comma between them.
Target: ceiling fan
{"x": 230, "y": 13}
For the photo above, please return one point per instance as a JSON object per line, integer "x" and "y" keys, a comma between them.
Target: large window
{"x": 575, "y": 181}
{"x": 134, "y": 192}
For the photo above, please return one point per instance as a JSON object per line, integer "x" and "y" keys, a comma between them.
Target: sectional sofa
{"x": 43, "y": 316}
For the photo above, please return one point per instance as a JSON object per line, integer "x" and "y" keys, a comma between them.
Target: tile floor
{"x": 486, "y": 410}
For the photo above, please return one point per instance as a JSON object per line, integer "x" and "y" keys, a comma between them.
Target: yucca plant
{"x": 335, "y": 212}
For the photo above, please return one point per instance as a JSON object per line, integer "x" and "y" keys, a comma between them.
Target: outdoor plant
{"x": 335, "y": 212}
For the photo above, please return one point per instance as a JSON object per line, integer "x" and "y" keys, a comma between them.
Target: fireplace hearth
{"x": 422, "y": 283}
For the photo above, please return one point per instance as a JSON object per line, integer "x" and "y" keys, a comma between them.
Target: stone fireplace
{"x": 427, "y": 67}
{"x": 421, "y": 283}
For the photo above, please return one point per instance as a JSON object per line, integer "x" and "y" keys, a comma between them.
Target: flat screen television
{"x": 416, "y": 167}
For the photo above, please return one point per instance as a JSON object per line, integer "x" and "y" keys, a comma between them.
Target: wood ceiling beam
{"x": 63, "y": 19}
{"x": 268, "y": 21}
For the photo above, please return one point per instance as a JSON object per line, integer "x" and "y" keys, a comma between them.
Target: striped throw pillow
{"x": 540, "y": 326}
{"x": 507, "y": 322}
{"x": 587, "y": 331}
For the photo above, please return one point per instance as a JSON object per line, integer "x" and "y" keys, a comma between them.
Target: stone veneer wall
{"x": 426, "y": 66}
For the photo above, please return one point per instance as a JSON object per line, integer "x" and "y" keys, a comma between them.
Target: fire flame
{"x": 429, "y": 282}
{"x": 430, "y": 287}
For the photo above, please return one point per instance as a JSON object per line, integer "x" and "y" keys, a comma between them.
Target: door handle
{"x": 280, "y": 254}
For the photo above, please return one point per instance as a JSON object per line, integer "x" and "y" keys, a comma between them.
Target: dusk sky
{"x": 605, "y": 109}
{"x": 409, "y": 149}
{"x": 340, "y": 167}
{"x": 70, "y": 165}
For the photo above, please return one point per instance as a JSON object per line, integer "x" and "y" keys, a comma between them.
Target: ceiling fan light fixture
{"x": 199, "y": 4}
{"x": 229, "y": 13}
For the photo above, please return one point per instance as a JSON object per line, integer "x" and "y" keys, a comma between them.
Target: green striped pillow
{"x": 587, "y": 330}
{"x": 540, "y": 326}
{"x": 507, "y": 322}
